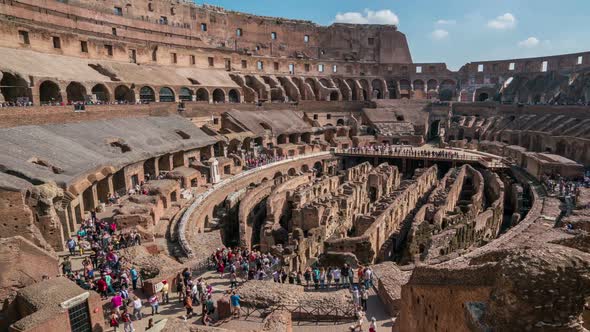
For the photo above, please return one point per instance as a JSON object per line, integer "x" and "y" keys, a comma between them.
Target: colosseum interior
{"x": 158, "y": 137}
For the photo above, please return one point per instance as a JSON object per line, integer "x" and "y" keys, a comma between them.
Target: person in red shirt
{"x": 102, "y": 287}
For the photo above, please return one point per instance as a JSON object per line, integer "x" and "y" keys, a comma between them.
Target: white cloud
{"x": 384, "y": 16}
{"x": 529, "y": 42}
{"x": 446, "y": 22}
{"x": 503, "y": 22}
{"x": 439, "y": 34}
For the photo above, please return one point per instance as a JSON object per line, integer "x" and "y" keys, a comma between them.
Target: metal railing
{"x": 299, "y": 312}
{"x": 416, "y": 154}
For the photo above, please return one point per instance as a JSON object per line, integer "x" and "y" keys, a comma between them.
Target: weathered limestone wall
{"x": 365, "y": 246}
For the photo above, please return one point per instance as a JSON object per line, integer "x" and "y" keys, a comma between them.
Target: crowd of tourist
{"x": 563, "y": 187}
{"x": 260, "y": 159}
{"x": 405, "y": 151}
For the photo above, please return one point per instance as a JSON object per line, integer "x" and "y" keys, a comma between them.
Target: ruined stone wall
{"x": 365, "y": 246}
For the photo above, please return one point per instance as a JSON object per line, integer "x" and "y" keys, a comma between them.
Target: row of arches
{"x": 420, "y": 89}
{"x": 16, "y": 89}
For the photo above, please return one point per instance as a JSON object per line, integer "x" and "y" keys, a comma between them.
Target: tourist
{"x": 188, "y": 305}
{"x": 367, "y": 277}
{"x": 134, "y": 277}
{"x": 233, "y": 282}
{"x": 329, "y": 276}
{"x": 154, "y": 303}
{"x": 336, "y": 277}
{"x": 137, "y": 305}
{"x": 127, "y": 322}
{"x": 71, "y": 244}
{"x": 364, "y": 298}
{"x": 102, "y": 288}
{"x": 345, "y": 275}
{"x": 322, "y": 278}
{"x": 235, "y": 303}
{"x": 114, "y": 320}
{"x": 116, "y": 303}
{"x": 150, "y": 324}
{"x": 165, "y": 292}
{"x": 180, "y": 288}
{"x": 307, "y": 276}
{"x": 373, "y": 325}
{"x": 356, "y": 297}
{"x": 299, "y": 278}
{"x": 66, "y": 266}
{"x": 210, "y": 305}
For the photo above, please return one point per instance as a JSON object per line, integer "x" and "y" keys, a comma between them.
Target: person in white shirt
{"x": 137, "y": 305}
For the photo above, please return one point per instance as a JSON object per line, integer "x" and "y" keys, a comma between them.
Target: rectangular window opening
{"x": 56, "y": 42}
{"x": 174, "y": 57}
{"x": 480, "y": 68}
{"x": 544, "y": 66}
{"x": 24, "y": 37}
{"x": 211, "y": 61}
{"x": 276, "y": 66}
{"x": 109, "y": 49}
{"x": 260, "y": 65}
{"x": 84, "y": 46}
{"x": 244, "y": 64}
{"x": 419, "y": 69}
{"x": 203, "y": 27}
{"x": 193, "y": 60}
{"x": 580, "y": 60}
{"x": 511, "y": 66}
{"x": 321, "y": 68}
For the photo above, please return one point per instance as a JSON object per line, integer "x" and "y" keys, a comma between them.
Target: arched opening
{"x": 234, "y": 96}
{"x": 304, "y": 168}
{"x": 49, "y": 93}
{"x": 366, "y": 89}
{"x": 147, "y": 94}
{"x": 447, "y": 90}
{"x": 166, "y": 95}
{"x": 483, "y": 96}
{"x": 76, "y": 92}
{"x": 353, "y": 89}
{"x": 445, "y": 95}
{"x": 101, "y": 93}
{"x": 124, "y": 95}
{"x": 340, "y": 122}
{"x": 435, "y": 129}
{"x": 392, "y": 87}
{"x": 378, "y": 89}
{"x": 218, "y": 96}
{"x": 282, "y": 139}
{"x": 202, "y": 95}
{"x": 319, "y": 170}
{"x": 292, "y": 172}
{"x": 432, "y": 84}
{"x": 277, "y": 175}
{"x": 405, "y": 88}
{"x": 419, "y": 89}
{"x": 314, "y": 87}
{"x": 334, "y": 96}
{"x": 15, "y": 89}
{"x": 185, "y": 94}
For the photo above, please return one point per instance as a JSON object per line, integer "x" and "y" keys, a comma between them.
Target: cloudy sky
{"x": 452, "y": 31}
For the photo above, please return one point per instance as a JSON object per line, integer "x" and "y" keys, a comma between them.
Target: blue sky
{"x": 452, "y": 31}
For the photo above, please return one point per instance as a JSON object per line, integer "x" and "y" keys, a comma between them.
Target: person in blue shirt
{"x": 134, "y": 277}
{"x": 235, "y": 303}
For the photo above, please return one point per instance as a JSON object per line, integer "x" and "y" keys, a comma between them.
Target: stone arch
{"x": 76, "y": 92}
{"x": 282, "y": 139}
{"x": 405, "y": 89}
{"x": 447, "y": 90}
{"x": 124, "y": 94}
{"x": 392, "y": 88}
{"x": 277, "y": 175}
{"x": 14, "y": 88}
{"x": 101, "y": 93}
{"x": 334, "y": 96}
{"x": 218, "y": 96}
{"x": 353, "y": 88}
{"x": 49, "y": 92}
{"x": 304, "y": 168}
{"x": 366, "y": 89}
{"x": 234, "y": 96}
{"x": 292, "y": 172}
{"x": 314, "y": 87}
{"x": 419, "y": 89}
{"x": 340, "y": 122}
{"x": 147, "y": 94}
{"x": 202, "y": 95}
{"x": 378, "y": 89}
{"x": 318, "y": 168}
{"x": 432, "y": 84}
{"x": 166, "y": 95}
{"x": 184, "y": 94}
{"x": 345, "y": 90}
